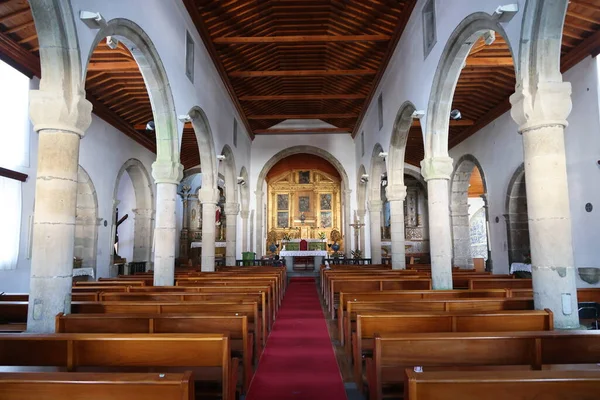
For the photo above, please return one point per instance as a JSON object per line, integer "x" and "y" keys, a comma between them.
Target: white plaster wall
{"x": 126, "y": 197}
{"x": 264, "y": 147}
{"x": 498, "y": 147}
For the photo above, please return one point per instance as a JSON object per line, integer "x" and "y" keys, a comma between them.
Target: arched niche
{"x": 143, "y": 213}
{"x": 260, "y": 192}
{"x": 517, "y": 219}
{"x": 463, "y": 196}
{"x": 157, "y": 83}
{"x": 86, "y": 221}
{"x": 398, "y": 141}
{"x": 228, "y": 171}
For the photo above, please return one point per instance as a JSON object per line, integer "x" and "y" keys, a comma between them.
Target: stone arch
{"x": 144, "y": 211}
{"x": 361, "y": 201}
{"x": 228, "y": 170}
{"x": 206, "y": 147}
{"x": 378, "y": 168}
{"x": 232, "y": 206}
{"x": 244, "y": 190}
{"x": 260, "y": 200}
{"x": 459, "y": 209}
{"x": 446, "y": 77}
{"x": 86, "y": 220}
{"x": 157, "y": 83}
{"x": 398, "y": 143}
{"x": 517, "y": 218}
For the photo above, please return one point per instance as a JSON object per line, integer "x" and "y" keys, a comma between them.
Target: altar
{"x": 289, "y": 255}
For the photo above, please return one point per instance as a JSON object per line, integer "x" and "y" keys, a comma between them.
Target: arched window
{"x": 14, "y": 153}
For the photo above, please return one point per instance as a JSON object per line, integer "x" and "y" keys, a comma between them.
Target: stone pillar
{"x": 245, "y": 214}
{"x": 396, "y": 195}
{"x": 231, "y": 212}
{"x": 260, "y": 246}
{"x": 361, "y": 219}
{"x": 436, "y": 172}
{"x": 194, "y": 213}
{"x": 209, "y": 198}
{"x": 375, "y": 207}
{"x": 461, "y": 235}
{"x": 60, "y": 123}
{"x": 167, "y": 175}
{"x": 142, "y": 238}
{"x": 347, "y": 222}
{"x": 184, "y": 237}
{"x": 488, "y": 264}
{"x": 541, "y": 113}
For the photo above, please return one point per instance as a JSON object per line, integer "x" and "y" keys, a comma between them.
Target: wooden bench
{"x": 448, "y": 305}
{"x": 502, "y": 385}
{"x": 500, "y": 284}
{"x": 206, "y": 355}
{"x": 368, "y": 325}
{"x": 81, "y": 385}
{"x": 401, "y": 295}
{"x": 111, "y": 282}
{"x": 235, "y": 327}
{"x": 392, "y": 354}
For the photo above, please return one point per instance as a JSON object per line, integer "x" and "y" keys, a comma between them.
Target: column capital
{"x": 232, "y": 209}
{"x": 164, "y": 171}
{"x": 208, "y": 196}
{"x": 395, "y": 192}
{"x": 245, "y": 214}
{"x": 53, "y": 110}
{"x": 375, "y": 205}
{"x": 547, "y": 104}
{"x": 436, "y": 168}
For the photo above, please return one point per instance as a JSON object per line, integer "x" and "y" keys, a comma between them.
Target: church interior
{"x": 282, "y": 199}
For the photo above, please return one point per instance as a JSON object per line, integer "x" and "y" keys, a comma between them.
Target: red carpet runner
{"x": 298, "y": 361}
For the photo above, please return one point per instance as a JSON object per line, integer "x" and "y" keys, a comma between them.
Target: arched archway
{"x": 468, "y": 195}
{"x": 86, "y": 221}
{"x": 231, "y": 210}
{"x": 361, "y": 212}
{"x": 376, "y": 203}
{"x": 143, "y": 213}
{"x": 260, "y": 192}
{"x": 244, "y": 207}
{"x": 517, "y": 219}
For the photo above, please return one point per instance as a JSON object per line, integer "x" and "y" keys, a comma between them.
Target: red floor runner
{"x": 298, "y": 361}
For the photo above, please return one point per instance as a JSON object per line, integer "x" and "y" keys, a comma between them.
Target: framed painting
{"x": 326, "y": 219}
{"x": 326, "y": 201}
{"x": 304, "y": 177}
{"x": 282, "y": 202}
{"x": 304, "y": 204}
{"x": 283, "y": 219}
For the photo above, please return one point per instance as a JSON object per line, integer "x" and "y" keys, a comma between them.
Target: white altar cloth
{"x": 514, "y": 267}
{"x": 304, "y": 253}
{"x": 83, "y": 272}
{"x": 199, "y": 244}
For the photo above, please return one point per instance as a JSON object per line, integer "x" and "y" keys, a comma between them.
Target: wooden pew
{"x": 206, "y": 355}
{"x": 502, "y": 385}
{"x": 235, "y": 327}
{"x": 86, "y": 386}
{"x": 392, "y": 354}
{"x": 111, "y": 282}
{"x": 367, "y": 325}
{"x": 457, "y": 305}
{"x": 401, "y": 295}
{"x": 500, "y": 284}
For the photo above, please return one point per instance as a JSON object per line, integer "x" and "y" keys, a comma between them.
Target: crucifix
{"x": 119, "y": 222}
{"x": 357, "y": 225}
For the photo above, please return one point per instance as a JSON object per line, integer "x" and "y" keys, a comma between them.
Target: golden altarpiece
{"x": 302, "y": 204}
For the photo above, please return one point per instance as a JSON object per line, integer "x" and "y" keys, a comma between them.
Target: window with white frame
{"x": 14, "y": 153}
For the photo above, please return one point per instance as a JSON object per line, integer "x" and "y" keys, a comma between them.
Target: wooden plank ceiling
{"x": 308, "y": 59}
{"x": 292, "y": 59}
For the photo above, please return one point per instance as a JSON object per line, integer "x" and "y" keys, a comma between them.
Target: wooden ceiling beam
{"x": 113, "y": 66}
{"x": 18, "y": 57}
{"x": 338, "y": 72}
{"x": 16, "y": 14}
{"x": 589, "y": 46}
{"x": 305, "y": 97}
{"x": 300, "y": 39}
{"x": 490, "y": 62}
{"x": 20, "y": 27}
{"x": 300, "y": 131}
{"x": 459, "y": 122}
{"x": 303, "y": 116}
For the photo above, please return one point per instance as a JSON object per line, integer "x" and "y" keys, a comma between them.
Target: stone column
{"x": 142, "y": 239}
{"x": 541, "y": 113}
{"x": 461, "y": 235}
{"x": 193, "y": 204}
{"x": 259, "y": 224}
{"x": 209, "y": 198}
{"x": 231, "y": 212}
{"x": 488, "y": 264}
{"x": 436, "y": 172}
{"x": 245, "y": 214}
{"x": 347, "y": 221}
{"x": 361, "y": 218}
{"x": 396, "y": 195}
{"x": 167, "y": 175}
{"x": 60, "y": 123}
{"x": 375, "y": 207}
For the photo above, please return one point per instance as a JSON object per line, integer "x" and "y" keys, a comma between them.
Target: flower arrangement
{"x": 322, "y": 235}
{"x": 286, "y": 236}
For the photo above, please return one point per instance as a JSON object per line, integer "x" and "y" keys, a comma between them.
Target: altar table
{"x": 289, "y": 255}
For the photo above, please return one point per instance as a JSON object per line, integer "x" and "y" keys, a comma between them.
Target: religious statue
{"x": 218, "y": 216}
